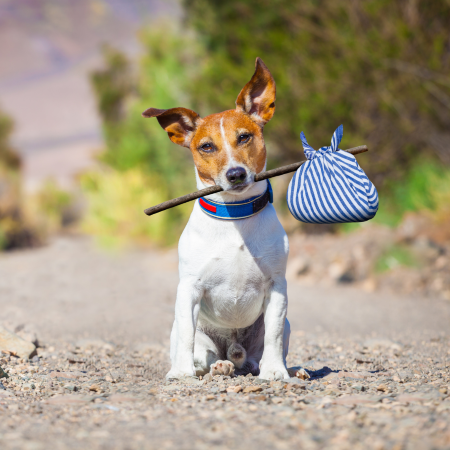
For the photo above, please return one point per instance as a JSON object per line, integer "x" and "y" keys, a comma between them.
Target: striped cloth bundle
{"x": 331, "y": 187}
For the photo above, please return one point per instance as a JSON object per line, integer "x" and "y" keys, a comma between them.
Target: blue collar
{"x": 237, "y": 210}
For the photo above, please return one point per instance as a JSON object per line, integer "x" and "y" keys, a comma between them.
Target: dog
{"x": 231, "y": 304}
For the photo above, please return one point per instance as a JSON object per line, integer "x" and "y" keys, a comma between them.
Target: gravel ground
{"x": 379, "y": 365}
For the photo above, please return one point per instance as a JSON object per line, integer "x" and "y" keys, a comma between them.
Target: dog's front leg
{"x": 272, "y": 366}
{"x": 182, "y": 338}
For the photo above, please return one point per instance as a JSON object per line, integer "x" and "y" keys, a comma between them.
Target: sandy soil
{"x": 379, "y": 364}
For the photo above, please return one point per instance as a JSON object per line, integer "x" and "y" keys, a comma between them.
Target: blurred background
{"x": 77, "y": 158}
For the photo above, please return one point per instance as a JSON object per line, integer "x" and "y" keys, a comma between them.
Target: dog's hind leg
{"x": 207, "y": 357}
{"x": 253, "y": 341}
{"x": 205, "y": 353}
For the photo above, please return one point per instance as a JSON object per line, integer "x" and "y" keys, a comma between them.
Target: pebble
{"x": 71, "y": 387}
{"x": 14, "y": 344}
{"x": 252, "y": 389}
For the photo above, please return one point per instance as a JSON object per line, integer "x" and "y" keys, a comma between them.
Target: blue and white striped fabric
{"x": 331, "y": 187}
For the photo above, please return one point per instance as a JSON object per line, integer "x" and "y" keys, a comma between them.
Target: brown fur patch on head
{"x": 222, "y": 131}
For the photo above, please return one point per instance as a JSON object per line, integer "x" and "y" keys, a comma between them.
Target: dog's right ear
{"x": 180, "y": 123}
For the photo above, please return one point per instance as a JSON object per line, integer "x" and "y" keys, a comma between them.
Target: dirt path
{"x": 379, "y": 364}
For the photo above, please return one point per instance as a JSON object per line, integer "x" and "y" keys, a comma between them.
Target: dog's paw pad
{"x": 222, "y": 368}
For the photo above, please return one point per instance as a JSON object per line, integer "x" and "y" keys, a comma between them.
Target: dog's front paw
{"x": 274, "y": 373}
{"x": 176, "y": 374}
{"x": 222, "y": 368}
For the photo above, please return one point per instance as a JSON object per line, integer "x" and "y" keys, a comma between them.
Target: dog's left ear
{"x": 257, "y": 98}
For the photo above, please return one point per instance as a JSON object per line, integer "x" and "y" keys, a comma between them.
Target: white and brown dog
{"x": 230, "y": 313}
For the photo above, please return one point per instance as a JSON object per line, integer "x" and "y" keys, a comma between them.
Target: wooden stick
{"x": 258, "y": 177}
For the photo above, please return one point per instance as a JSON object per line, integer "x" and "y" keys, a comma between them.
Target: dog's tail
{"x": 236, "y": 353}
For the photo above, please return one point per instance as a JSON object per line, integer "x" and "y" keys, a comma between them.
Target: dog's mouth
{"x": 241, "y": 187}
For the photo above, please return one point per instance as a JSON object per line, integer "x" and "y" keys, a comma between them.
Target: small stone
{"x": 210, "y": 397}
{"x": 382, "y": 387}
{"x": 294, "y": 380}
{"x": 208, "y": 377}
{"x": 443, "y": 390}
{"x": 359, "y": 387}
{"x": 297, "y": 386}
{"x": 71, "y": 387}
{"x": 67, "y": 375}
{"x": 174, "y": 399}
{"x": 95, "y": 388}
{"x": 234, "y": 389}
{"x": 252, "y": 389}
{"x": 260, "y": 398}
{"x": 28, "y": 387}
{"x": 193, "y": 381}
{"x": 249, "y": 375}
{"x": 15, "y": 345}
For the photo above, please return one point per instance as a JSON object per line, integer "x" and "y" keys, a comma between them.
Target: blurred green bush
{"x": 137, "y": 150}
{"x": 382, "y": 68}
{"x": 426, "y": 188}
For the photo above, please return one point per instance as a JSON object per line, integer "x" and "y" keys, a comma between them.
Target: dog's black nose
{"x": 236, "y": 175}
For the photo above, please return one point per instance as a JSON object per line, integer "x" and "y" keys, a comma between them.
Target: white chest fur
{"x": 233, "y": 263}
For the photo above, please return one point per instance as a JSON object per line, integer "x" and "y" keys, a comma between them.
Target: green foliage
{"x": 50, "y": 206}
{"x": 137, "y": 148}
{"x": 116, "y": 204}
{"x": 112, "y": 85}
{"x": 379, "y": 67}
{"x": 425, "y": 188}
{"x": 382, "y": 68}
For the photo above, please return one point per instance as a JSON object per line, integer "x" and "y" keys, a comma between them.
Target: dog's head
{"x": 228, "y": 147}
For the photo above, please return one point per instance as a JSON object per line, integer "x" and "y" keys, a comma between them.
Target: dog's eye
{"x": 207, "y": 147}
{"x": 244, "y": 138}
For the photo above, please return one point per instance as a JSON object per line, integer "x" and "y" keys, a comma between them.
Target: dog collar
{"x": 237, "y": 210}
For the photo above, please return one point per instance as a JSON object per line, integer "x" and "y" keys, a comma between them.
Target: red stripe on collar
{"x": 207, "y": 206}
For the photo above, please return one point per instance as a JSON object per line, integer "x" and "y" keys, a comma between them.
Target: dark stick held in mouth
{"x": 258, "y": 177}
